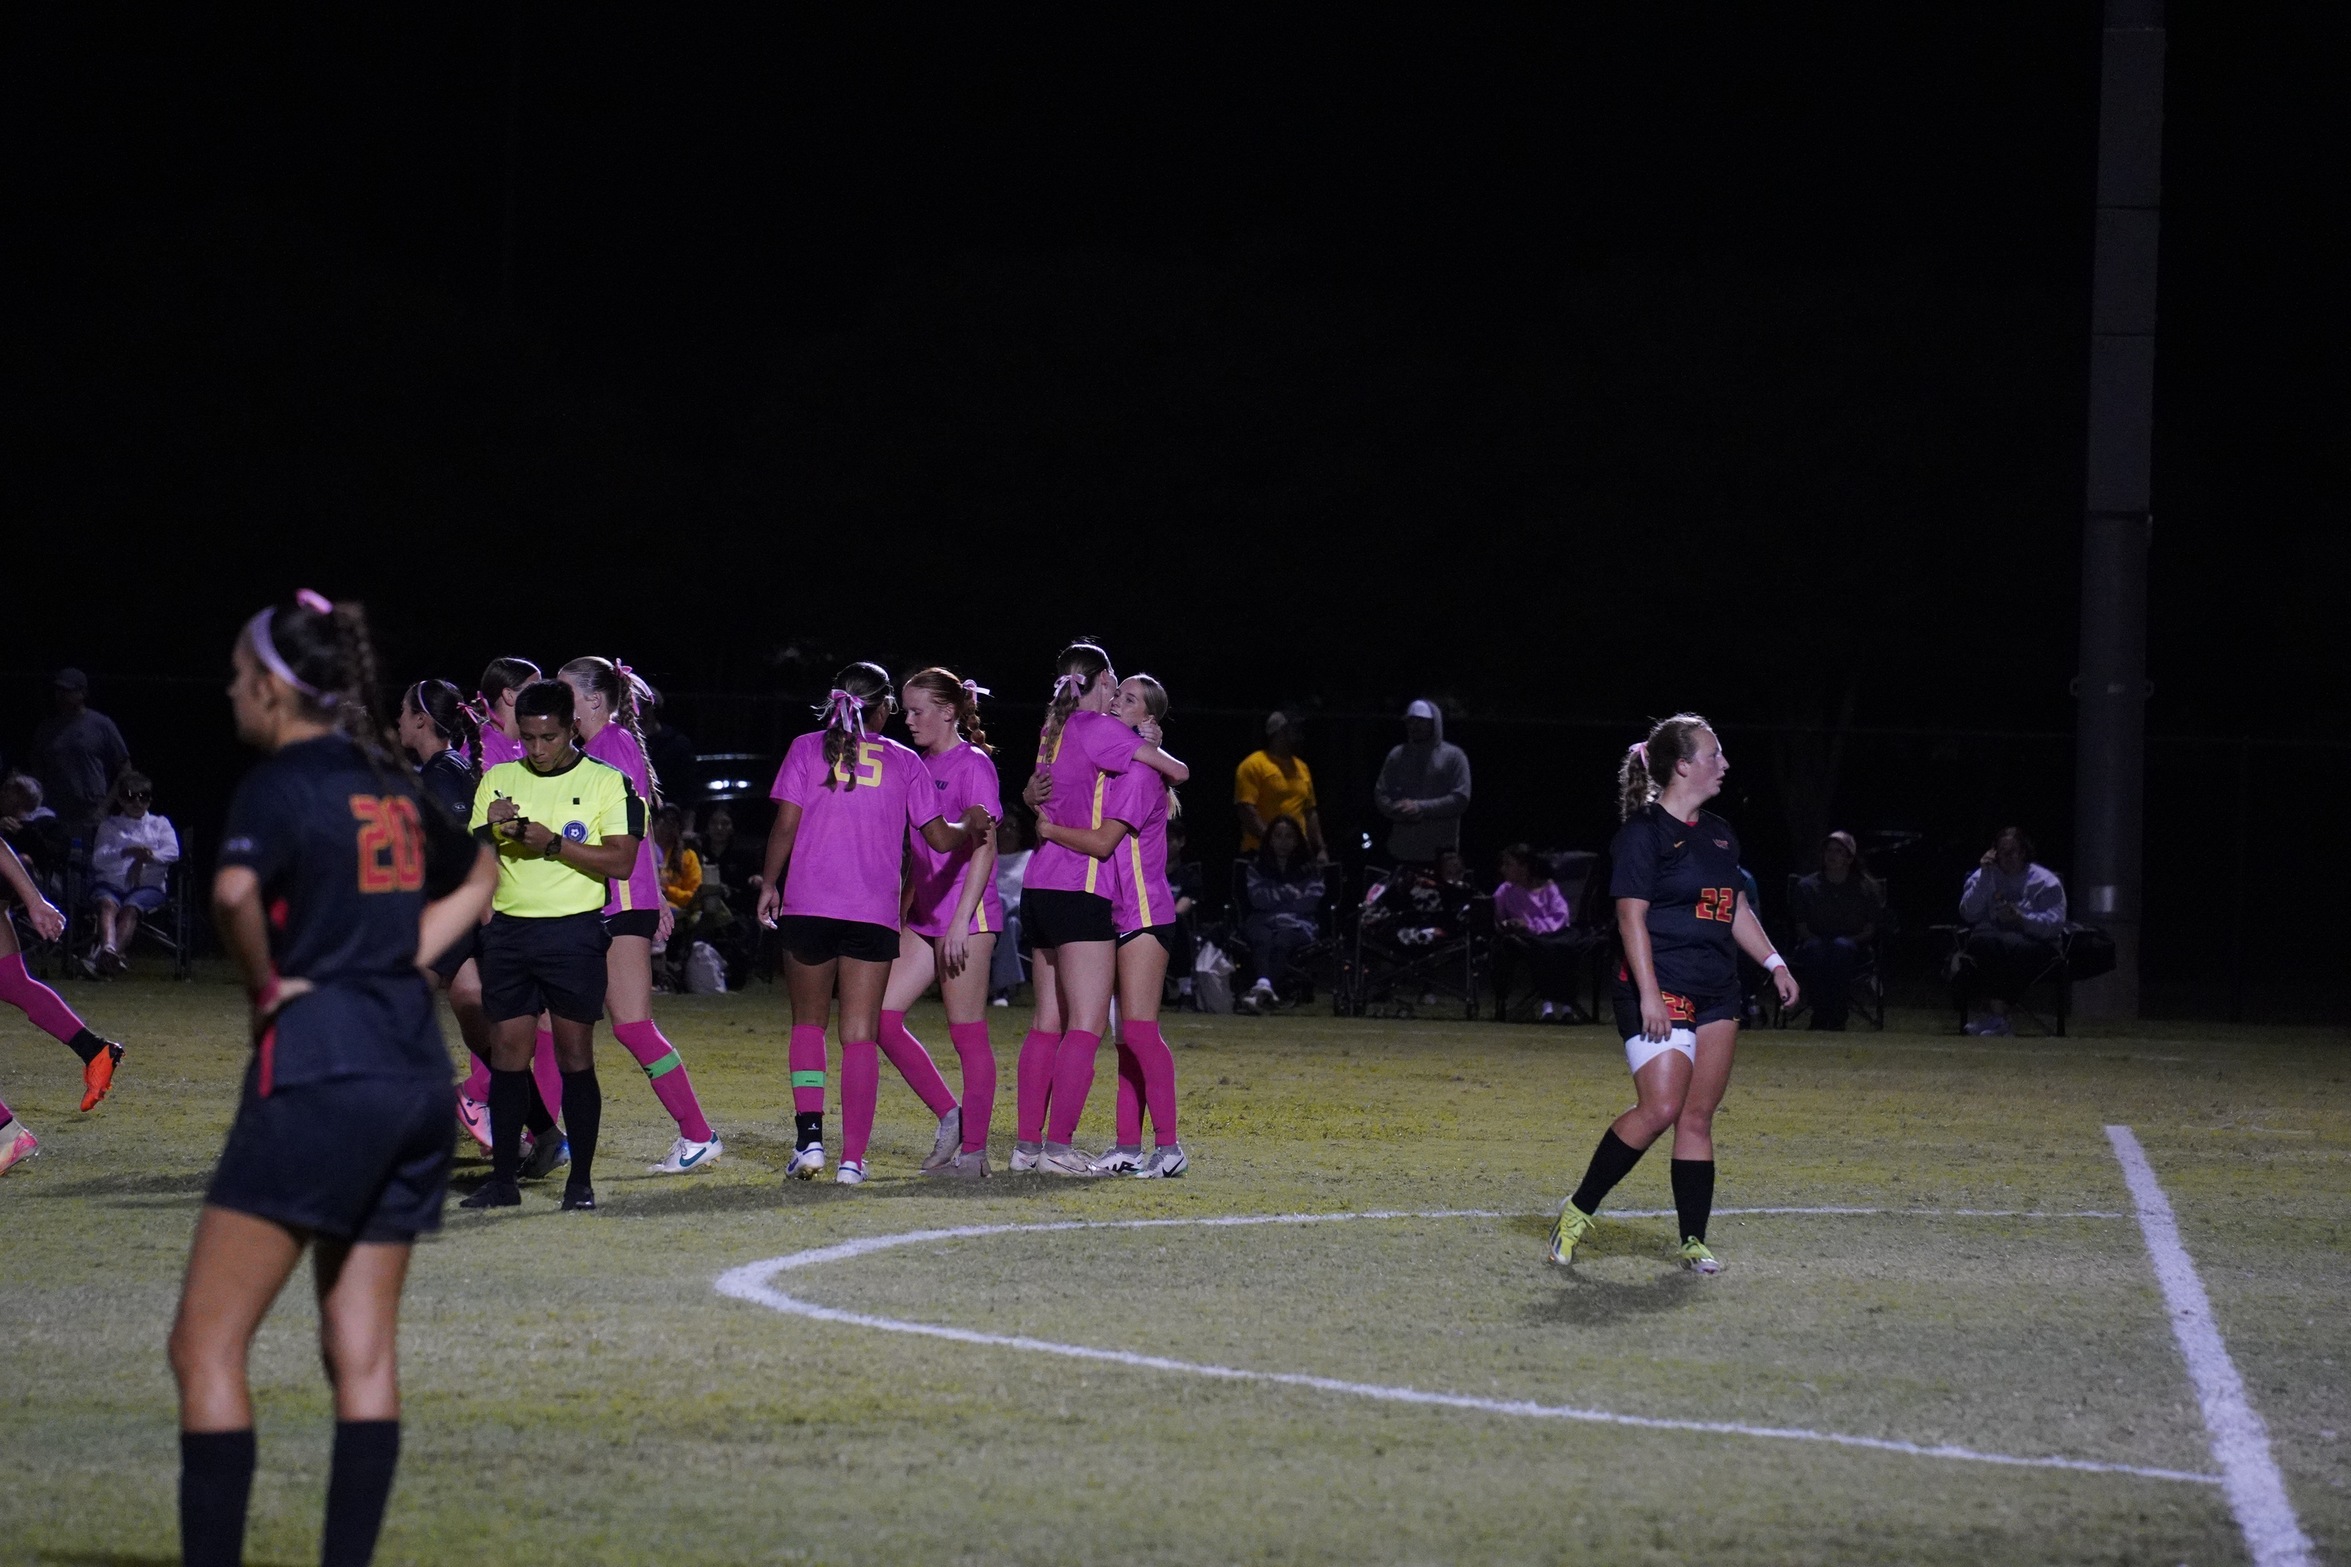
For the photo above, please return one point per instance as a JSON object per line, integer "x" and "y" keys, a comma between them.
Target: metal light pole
{"x": 2110, "y": 756}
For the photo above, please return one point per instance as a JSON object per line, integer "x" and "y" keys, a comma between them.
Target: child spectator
{"x": 1285, "y": 888}
{"x": 131, "y": 867}
{"x": 1530, "y": 913}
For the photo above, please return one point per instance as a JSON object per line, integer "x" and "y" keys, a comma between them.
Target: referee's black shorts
{"x": 1055, "y": 917}
{"x": 553, "y": 965}
{"x": 363, "y": 1159}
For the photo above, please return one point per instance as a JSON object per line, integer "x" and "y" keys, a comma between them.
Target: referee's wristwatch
{"x": 554, "y": 849}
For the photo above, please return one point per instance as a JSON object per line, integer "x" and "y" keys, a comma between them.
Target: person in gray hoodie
{"x": 1423, "y": 788}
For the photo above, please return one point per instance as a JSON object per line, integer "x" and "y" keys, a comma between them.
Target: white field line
{"x": 751, "y": 1282}
{"x": 2240, "y": 1442}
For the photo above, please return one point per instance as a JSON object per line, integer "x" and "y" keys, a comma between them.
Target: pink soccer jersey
{"x": 1139, "y": 895}
{"x": 497, "y": 748}
{"x": 963, "y": 777}
{"x": 848, "y": 856}
{"x": 642, "y": 890}
{"x": 1091, "y": 747}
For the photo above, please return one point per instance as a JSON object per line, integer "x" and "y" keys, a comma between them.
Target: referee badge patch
{"x": 577, "y": 832}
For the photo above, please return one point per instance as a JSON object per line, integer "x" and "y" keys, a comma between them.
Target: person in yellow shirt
{"x": 563, "y": 824}
{"x": 1276, "y": 782}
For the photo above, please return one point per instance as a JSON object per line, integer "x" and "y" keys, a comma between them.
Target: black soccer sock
{"x": 1693, "y": 1195}
{"x": 366, "y": 1453}
{"x": 510, "y": 1094}
{"x": 583, "y": 1114}
{"x": 86, "y": 1045}
{"x": 538, "y": 1118}
{"x": 1612, "y": 1161}
{"x": 216, "y": 1481}
{"x": 807, "y": 1127}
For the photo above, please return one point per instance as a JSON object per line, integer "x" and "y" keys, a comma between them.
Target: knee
{"x": 193, "y": 1353}
{"x": 1695, "y": 1120}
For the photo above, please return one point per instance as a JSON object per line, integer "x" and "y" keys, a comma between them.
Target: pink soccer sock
{"x": 1130, "y": 1092}
{"x": 1032, "y": 1083}
{"x": 665, "y": 1069}
{"x": 807, "y": 1063}
{"x": 6, "y": 1115}
{"x": 861, "y": 1090}
{"x": 547, "y": 1074}
{"x": 477, "y": 1082}
{"x": 978, "y": 1058}
{"x": 1073, "y": 1079}
{"x": 1157, "y": 1064}
{"x": 915, "y": 1064}
{"x": 48, "y": 1011}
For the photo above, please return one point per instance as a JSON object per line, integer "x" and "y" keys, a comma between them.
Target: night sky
{"x": 1571, "y": 370}
{"x": 1726, "y": 358}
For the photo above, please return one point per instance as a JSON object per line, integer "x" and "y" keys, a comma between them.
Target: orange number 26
{"x": 391, "y": 843}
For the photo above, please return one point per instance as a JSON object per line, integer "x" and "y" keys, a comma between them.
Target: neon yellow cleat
{"x": 1574, "y": 1224}
{"x": 1698, "y": 1259}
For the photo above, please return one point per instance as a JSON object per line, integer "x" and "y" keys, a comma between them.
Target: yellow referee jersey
{"x": 587, "y": 802}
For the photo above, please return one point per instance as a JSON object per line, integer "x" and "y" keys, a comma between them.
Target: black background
{"x": 1570, "y": 369}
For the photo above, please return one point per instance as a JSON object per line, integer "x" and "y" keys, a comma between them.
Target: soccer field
{"x": 1940, "y": 1264}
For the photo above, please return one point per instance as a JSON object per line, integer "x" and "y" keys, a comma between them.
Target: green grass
{"x": 577, "y": 1392}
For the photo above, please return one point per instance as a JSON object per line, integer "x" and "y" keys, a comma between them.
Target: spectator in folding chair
{"x": 2014, "y": 910}
{"x": 1284, "y": 885}
{"x": 34, "y": 831}
{"x": 1837, "y": 910}
{"x": 131, "y": 866}
{"x": 1530, "y": 934}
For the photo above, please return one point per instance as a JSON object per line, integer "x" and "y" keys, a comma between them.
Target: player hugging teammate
{"x": 1683, "y": 920}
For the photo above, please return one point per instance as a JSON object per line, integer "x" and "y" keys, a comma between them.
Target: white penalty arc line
{"x": 750, "y": 1282}
{"x": 2249, "y": 1475}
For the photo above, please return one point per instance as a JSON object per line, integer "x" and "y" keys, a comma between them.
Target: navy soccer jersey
{"x": 1689, "y": 874}
{"x": 347, "y": 857}
{"x": 450, "y": 783}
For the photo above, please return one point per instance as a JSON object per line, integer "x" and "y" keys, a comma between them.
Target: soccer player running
{"x": 951, "y": 926}
{"x": 47, "y": 1010}
{"x": 1065, "y": 907}
{"x": 845, "y": 797}
{"x": 606, "y": 698}
{"x": 1683, "y": 920}
{"x": 1131, "y": 841}
{"x": 564, "y": 824}
{"x": 336, "y": 884}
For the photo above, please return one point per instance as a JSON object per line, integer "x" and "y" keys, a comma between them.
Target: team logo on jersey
{"x": 941, "y": 782}
{"x": 577, "y": 832}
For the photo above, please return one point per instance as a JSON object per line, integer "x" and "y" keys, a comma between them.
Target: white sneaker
{"x": 17, "y": 1144}
{"x": 947, "y": 1144}
{"x": 1165, "y": 1164}
{"x": 1547, "y": 1014}
{"x": 1001, "y": 1001}
{"x": 851, "y": 1172}
{"x": 1025, "y": 1157}
{"x": 806, "y": 1163}
{"x": 1067, "y": 1162}
{"x": 1118, "y": 1161}
{"x": 686, "y": 1154}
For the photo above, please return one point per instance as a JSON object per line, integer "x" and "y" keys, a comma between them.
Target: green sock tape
{"x": 666, "y": 1065}
{"x": 808, "y": 1079}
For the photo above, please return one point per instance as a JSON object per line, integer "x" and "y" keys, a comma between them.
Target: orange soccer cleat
{"x": 98, "y": 1075}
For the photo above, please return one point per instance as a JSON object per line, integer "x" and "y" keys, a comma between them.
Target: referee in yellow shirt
{"x": 563, "y": 824}
{"x": 1276, "y": 782}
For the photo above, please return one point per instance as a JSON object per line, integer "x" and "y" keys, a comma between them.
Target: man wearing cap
{"x": 77, "y": 754}
{"x": 1276, "y": 782}
{"x": 1423, "y": 788}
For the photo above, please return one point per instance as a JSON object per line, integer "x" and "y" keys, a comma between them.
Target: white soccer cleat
{"x": 947, "y": 1144}
{"x": 1025, "y": 1157}
{"x": 17, "y": 1144}
{"x": 806, "y": 1163}
{"x": 1067, "y": 1162}
{"x": 1165, "y": 1164}
{"x": 851, "y": 1172}
{"x": 1118, "y": 1161}
{"x": 686, "y": 1154}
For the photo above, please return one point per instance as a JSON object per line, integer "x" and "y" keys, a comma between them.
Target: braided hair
{"x": 443, "y": 706}
{"x": 625, "y": 696}
{"x": 1074, "y": 672}
{"x": 1648, "y": 764}
{"x": 848, "y": 711}
{"x": 960, "y": 694}
{"x": 326, "y": 656}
